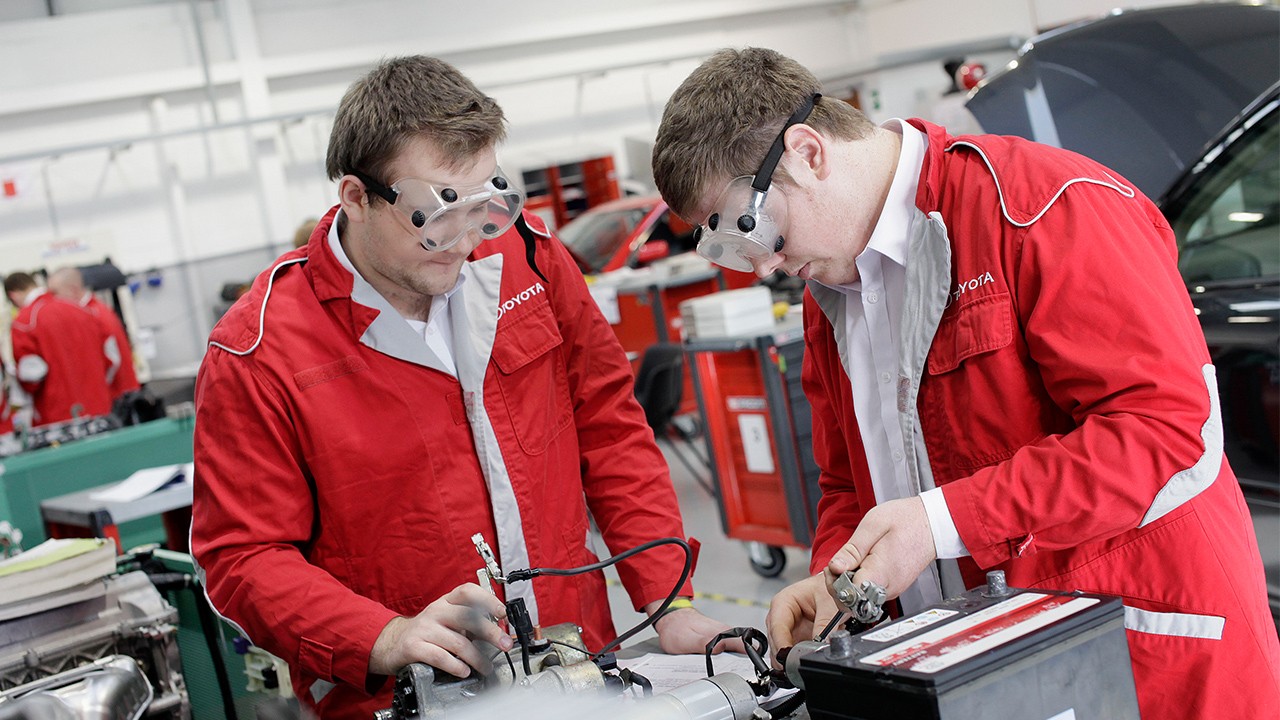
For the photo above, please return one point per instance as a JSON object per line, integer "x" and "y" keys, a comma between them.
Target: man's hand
{"x": 686, "y": 631}
{"x": 799, "y": 612}
{"x": 441, "y": 635}
{"x": 891, "y": 547}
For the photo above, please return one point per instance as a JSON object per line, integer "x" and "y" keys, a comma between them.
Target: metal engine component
{"x": 418, "y": 695}
{"x": 864, "y": 601}
{"x": 112, "y": 688}
{"x": 562, "y": 666}
{"x": 725, "y": 696}
{"x": 118, "y": 615}
{"x": 791, "y": 661}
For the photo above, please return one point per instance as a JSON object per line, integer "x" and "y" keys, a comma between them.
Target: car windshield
{"x": 595, "y": 237}
{"x": 1230, "y": 229}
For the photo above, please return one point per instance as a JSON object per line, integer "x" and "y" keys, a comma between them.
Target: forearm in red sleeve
{"x": 625, "y": 477}
{"x": 252, "y": 512}
{"x": 1110, "y": 327}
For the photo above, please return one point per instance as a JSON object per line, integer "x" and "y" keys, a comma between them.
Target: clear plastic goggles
{"x": 746, "y": 224}
{"x": 442, "y": 216}
{"x": 749, "y": 218}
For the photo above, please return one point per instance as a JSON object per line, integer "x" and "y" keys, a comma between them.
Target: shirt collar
{"x": 33, "y": 295}
{"x": 892, "y": 232}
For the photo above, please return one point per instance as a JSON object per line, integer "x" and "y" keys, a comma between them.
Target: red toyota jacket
{"x": 69, "y": 345}
{"x": 1069, "y": 411}
{"x": 338, "y": 486}
{"x": 125, "y": 378}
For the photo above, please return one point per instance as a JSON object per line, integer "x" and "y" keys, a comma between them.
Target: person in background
{"x": 428, "y": 367}
{"x": 68, "y": 284}
{"x": 949, "y": 109}
{"x": 61, "y": 354}
{"x": 1004, "y": 368}
{"x": 302, "y": 235}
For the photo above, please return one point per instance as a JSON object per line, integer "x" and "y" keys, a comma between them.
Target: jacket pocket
{"x": 533, "y": 381}
{"x": 978, "y": 326}
{"x": 972, "y": 367}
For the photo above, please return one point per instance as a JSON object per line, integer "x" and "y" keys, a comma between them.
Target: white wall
{"x": 85, "y": 93}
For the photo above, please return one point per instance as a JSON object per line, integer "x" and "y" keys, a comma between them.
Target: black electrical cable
{"x": 531, "y": 573}
{"x": 174, "y": 581}
{"x": 754, "y": 643}
{"x": 510, "y": 664}
{"x": 832, "y": 625}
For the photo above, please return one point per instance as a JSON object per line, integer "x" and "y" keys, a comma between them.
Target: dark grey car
{"x": 1184, "y": 102}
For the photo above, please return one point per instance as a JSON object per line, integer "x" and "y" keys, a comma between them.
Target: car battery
{"x": 995, "y": 652}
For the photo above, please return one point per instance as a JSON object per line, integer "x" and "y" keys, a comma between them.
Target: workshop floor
{"x": 726, "y": 586}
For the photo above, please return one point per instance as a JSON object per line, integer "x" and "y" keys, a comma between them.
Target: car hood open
{"x": 1140, "y": 91}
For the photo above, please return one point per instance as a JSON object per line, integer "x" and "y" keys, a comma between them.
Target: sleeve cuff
{"x": 946, "y": 539}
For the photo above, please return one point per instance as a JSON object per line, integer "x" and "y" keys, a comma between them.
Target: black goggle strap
{"x": 530, "y": 240}
{"x": 377, "y": 188}
{"x": 764, "y": 176}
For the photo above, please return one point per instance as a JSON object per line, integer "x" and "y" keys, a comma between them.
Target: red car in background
{"x": 629, "y": 232}
{"x": 632, "y": 232}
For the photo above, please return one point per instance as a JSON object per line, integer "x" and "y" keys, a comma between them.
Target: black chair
{"x": 659, "y": 386}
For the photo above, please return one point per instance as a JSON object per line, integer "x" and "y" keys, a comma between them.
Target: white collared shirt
{"x": 437, "y": 331}
{"x": 873, "y": 321}
{"x": 31, "y": 296}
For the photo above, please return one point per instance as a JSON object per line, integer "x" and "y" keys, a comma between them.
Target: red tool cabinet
{"x": 759, "y": 438}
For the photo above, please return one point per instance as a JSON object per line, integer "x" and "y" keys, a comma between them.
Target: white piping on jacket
{"x": 199, "y": 571}
{"x": 1204, "y": 627}
{"x": 1118, "y": 187}
{"x": 262, "y": 313}
{"x": 1186, "y": 484}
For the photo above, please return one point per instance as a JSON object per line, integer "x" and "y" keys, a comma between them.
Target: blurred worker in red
{"x": 68, "y": 284}
{"x": 60, "y": 352}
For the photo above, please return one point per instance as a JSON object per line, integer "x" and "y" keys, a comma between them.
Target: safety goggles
{"x": 441, "y": 216}
{"x": 749, "y": 219}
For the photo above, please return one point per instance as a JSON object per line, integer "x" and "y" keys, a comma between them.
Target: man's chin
{"x": 438, "y": 280}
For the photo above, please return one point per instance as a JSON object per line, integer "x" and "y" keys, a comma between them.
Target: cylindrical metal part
{"x": 582, "y": 677}
{"x": 792, "y": 663}
{"x": 841, "y": 643}
{"x": 996, "y": 585}
{"x": 726, "y": 696}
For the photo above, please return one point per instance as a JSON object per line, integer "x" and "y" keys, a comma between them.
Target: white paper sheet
{"x": 144, "y": 482}
{"x": 755, "y": 443}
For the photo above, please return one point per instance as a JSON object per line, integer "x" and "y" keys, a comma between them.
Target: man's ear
{"x": 353, "y": 198}
{"x": 809, "y": 149}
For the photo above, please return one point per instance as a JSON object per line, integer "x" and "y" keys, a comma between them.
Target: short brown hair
{"x": 19, "y": 281}
{"x": 722, "y": 119}
{"x": 404, "y": 98}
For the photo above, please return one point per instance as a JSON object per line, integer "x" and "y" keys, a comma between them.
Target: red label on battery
{"x": 977, "y": 633}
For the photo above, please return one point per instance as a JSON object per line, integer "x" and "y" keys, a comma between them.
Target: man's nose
{"x": 766, "y": 266}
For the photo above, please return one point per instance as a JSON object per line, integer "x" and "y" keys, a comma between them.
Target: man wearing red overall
{"x": 60, "y": 354}
{"x": 68, "y": 284}
{"x": 1004, "y": 369}
{"x": 427, "y": 367}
